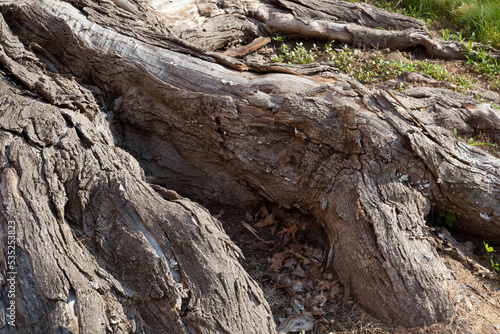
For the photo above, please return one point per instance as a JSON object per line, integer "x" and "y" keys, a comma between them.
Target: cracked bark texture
{"x": 100, "y": 249}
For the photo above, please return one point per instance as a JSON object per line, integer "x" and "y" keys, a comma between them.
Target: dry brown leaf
{"x": 328, "y": 277}
{"x": 335, "y": 289}
{"x": 299, "y": 271}
{"x": 283, "y": 282}
{"x": 303, "y": 258}
{"x": 323, "y": 285}
{"x": 277, "y": 261}
{"x": 318, "y": 311}
{"x": 264, "y": 211}
{"x": 319, "y": 300}
{"x": 288, "y": 159}
{"x": 314, "y": 270}
{"x": 290, "y": 231}
{"x": 313, "y": 253}
{"x": 269, "y": 220}
{"x": 262, "y": 245}
{"x": 290, "y": 263}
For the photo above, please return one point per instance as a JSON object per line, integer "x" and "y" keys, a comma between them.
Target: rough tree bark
{"x": 103, "y": 247}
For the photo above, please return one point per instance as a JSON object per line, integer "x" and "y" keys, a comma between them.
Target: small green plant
{"x": 468, "y": 45}
{"x": 489, "y": 252}
{"x": 489, "y": 147}
{"x": 378, "y": 68}
{"x": 481, "y": 61}
{"x": 464, "y": 81}
{"x": 447, "y": 218}
{"x": 447, "y": 35}
{"x": 278, "y": 58}
{"x": 472, "y": 143}
{"x": 278, "y": 38}
{"x": 256, "y": 265}
{"x": 434, "y": 71}
{"x": 297, "y": 55}
{"x": 343, "y": 60}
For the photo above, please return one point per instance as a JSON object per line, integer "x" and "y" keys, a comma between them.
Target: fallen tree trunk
{"x": 106, "y": 250}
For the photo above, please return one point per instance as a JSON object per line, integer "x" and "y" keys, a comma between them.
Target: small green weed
{"x": 479, "y": 59}
{"x": 379, "y": 68}
{"x": 257, "y": 266}
{"x": 278, "y": 38}
{"x": 343, "y": 60}
{"x": 489, "y": 253}
{"x": 468, "y": 45}
{"x": 484, "y": 64}
{"x": 447, "y": 35}
{"x": 297, "y": 55}
{"x": 278, "y": 58}
{"x": 484, "y": 142}
{"x": 447, "y": 218}
{"x": 463, "y": 81}
{"x": 375, "y": 68}
{"x": 472, "y": 141}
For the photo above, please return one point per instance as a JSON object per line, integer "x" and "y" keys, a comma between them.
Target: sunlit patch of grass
{"x": 481, "y": 17}
{"x": 374, "y": 68}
